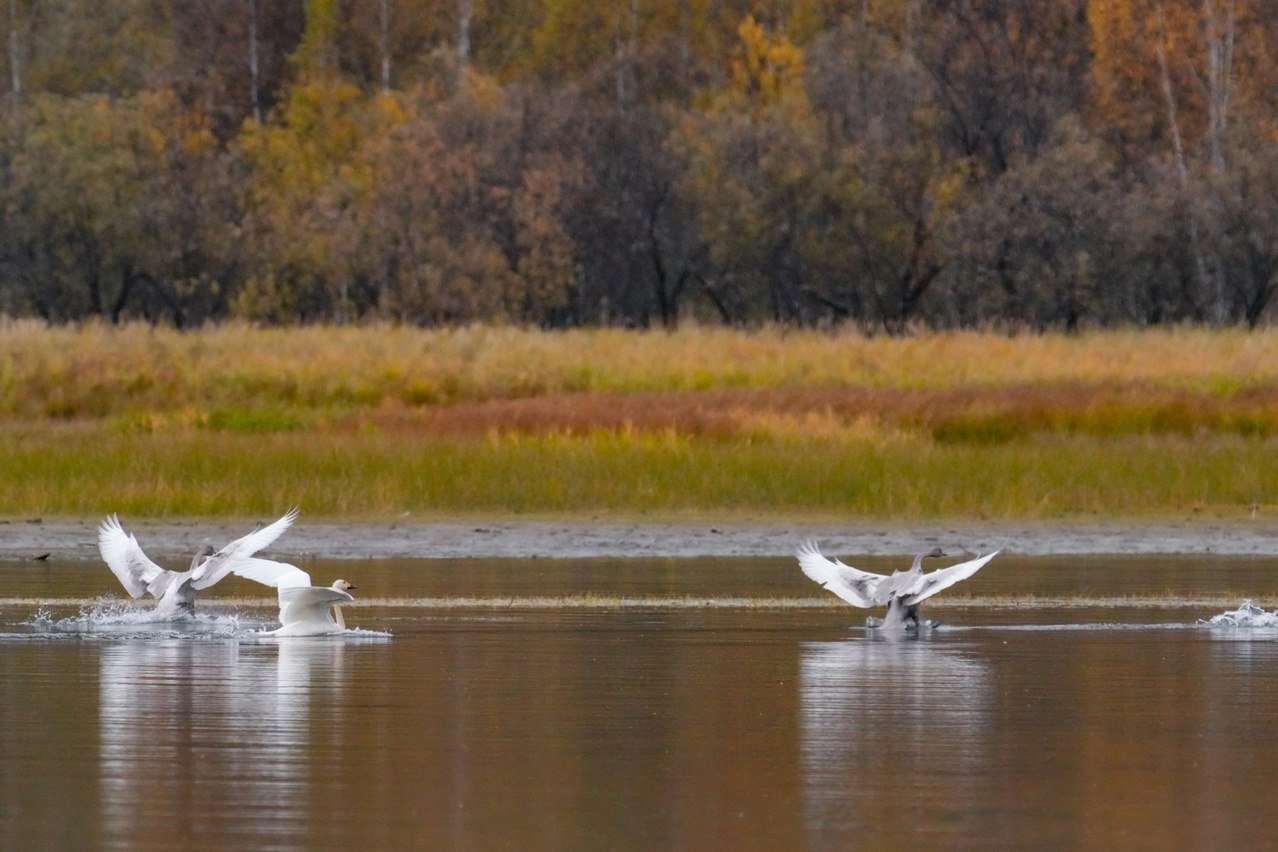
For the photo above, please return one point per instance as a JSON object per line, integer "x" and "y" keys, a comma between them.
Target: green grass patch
{"x": 79, "y": 469}
{"x": 254, "y": 421}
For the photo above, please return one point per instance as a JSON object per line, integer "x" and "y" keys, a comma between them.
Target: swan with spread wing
{"x": 174, "y": 591}
{"x": 901, "y": 592}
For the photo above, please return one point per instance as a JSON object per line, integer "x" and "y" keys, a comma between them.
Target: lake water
{"x": 646, "y": 704}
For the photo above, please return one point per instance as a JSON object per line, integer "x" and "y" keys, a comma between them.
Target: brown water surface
{"x": 645, "y": 704}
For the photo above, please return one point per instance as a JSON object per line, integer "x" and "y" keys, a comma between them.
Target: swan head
{"x": 934, "y": 553}
{"x": 205, "y": 552}
{"x": 343, "y": 586}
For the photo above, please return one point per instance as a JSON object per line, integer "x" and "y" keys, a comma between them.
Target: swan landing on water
{"x": 901, "y": 592}
{"x": 305, "y": 610}
{"x": 174, "y": 591}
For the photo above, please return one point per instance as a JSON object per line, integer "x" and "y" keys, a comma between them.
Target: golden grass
{"x": 376, "y": 421}
{"x": 98, "y": 370}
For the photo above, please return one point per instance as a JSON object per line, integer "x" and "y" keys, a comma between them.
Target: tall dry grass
{"x": 98, "y": 370}
{"x": 377, "y": 421}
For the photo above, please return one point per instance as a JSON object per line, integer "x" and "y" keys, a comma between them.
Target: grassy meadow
{"x": 374, "y": 422}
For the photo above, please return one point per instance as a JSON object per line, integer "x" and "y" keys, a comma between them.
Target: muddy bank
{"x": 77, "y": 539}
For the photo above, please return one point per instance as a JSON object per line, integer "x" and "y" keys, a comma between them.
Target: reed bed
{"x": 379, "y": 421}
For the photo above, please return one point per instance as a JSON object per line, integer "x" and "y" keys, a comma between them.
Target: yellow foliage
{"x": 324, "y": 127}
{"x": 393, "y": 108}
{"x": 948, "y": 187}
{"x": 769, "y": 68}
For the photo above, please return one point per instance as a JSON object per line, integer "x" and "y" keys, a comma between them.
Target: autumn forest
{"x": 885, "y": 164}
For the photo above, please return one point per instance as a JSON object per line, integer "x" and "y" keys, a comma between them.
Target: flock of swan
{"x": 307, "y": 610}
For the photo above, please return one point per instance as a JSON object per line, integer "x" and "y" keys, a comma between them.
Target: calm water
{"x": 645, "y": 704}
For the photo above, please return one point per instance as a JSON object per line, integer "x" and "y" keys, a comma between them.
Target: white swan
{"x": 305, "y": 610}
{"x": 174, "y": 591}
{"x": 901, "y": 592}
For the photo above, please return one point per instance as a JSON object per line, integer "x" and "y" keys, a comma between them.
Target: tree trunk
{"x": 15, "y": 61}
{"x": 465, "y": 11}
{"x": 254, "y": 66}
{"x": 383, "y": 42}
{"x": 1219, "y": 84}
{"x": 1209, "y": 283}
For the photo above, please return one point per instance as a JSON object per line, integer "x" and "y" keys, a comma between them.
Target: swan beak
{"x": 351, "y": 587}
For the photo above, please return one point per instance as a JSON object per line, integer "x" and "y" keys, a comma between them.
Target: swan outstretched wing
{"x": 943, "y": 578}
{"x": 271, "y": 573}
{"x": 121, "y": 552}
{"x": 224, "y": 561}
{"x": 853, "y": 585}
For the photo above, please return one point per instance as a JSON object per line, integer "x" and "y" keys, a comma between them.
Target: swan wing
{"x": 898, "y": 584}
{"x": 853, "y": 585}
{"x": 271, "y": 573}
{"x": 122, "y": 554}
{"x": 943, "y": 578}
{"x": 223, "y": 562}
{"x": 300, "y": 604}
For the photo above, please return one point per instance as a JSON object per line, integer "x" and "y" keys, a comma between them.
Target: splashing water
{"x": 41, "y": 619}
{"x": 1247, "y": 615}
{"x": 116, "y": 616}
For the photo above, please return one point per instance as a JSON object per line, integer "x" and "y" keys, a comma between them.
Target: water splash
{"x": 357, "y": 634}
{"x": 41, "y": 619}
{"x": 1248, "y": 615}
{"x": 121, "y": 617}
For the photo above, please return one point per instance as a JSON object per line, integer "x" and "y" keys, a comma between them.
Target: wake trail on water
{"x": 116, "y": 619}
{"x": 351, "y": 635}
{"x": 1247, "y": 617}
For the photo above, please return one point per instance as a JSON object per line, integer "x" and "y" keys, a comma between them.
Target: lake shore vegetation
{"x": 378, "y": 421}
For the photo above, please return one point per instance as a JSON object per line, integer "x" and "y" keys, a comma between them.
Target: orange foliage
{"x": 1162, "y": 61}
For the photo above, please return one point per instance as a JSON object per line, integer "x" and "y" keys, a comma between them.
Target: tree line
{"x": 884, "y": 163}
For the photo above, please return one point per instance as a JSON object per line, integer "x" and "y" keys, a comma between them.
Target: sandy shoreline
{"x": 77, "y": 539}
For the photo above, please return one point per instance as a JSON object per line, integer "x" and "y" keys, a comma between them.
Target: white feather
{"x": 943, "y": 578}
{"x": 900, "y": 589}
{"x": 124, "y": 556}
{"x": 176, "y": 589}
{"x": 311, "y": 610}
{"x": 268, "y": 572}
{"x": 851, "y": 584}
{"x": 223, "y": 562}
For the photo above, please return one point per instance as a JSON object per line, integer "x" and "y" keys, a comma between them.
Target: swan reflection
{"x": 194, "y": 732}
{"x": 876, "y": 713}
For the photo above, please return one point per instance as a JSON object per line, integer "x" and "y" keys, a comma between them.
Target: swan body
{"x": 901, "y": 592}
{"x": 174, "y": 591}
{"x": 305, "y": 610}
